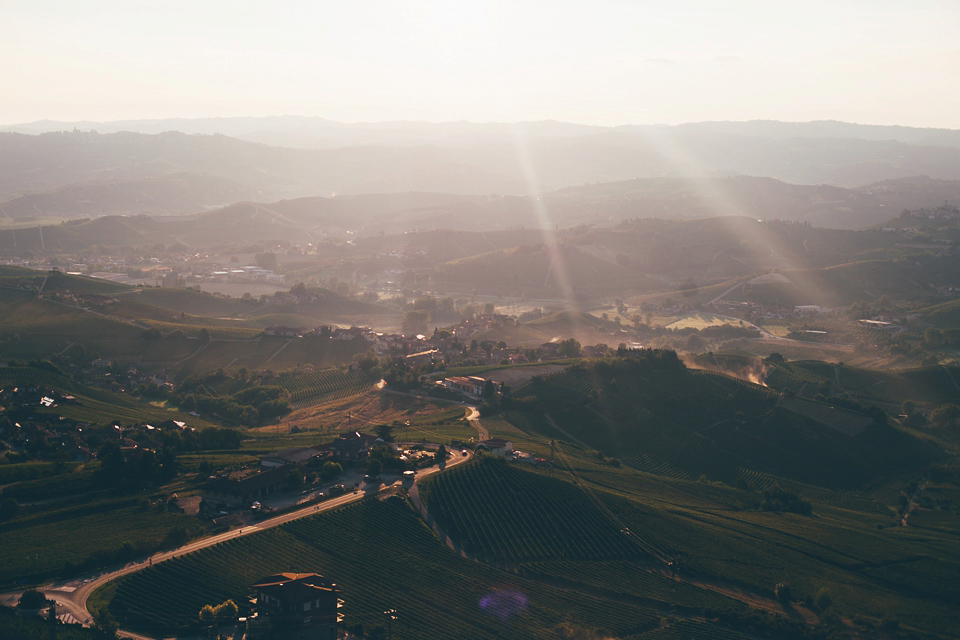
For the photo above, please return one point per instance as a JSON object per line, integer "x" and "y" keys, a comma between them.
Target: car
{"x": 463, "y": 453}
{"x": 337, "y": 489}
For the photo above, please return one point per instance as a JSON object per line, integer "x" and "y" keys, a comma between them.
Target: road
{"x": 71, "y": 595}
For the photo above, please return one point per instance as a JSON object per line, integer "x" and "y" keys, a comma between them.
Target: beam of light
{"x": 556, "y": 265}
{"x": 715, "y": 196}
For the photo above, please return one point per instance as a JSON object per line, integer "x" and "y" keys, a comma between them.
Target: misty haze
{"x": 481, "y": 320}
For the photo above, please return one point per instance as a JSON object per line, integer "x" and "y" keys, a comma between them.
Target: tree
{"x": 385, "y": 432}
{"x": 331, "y": 470}
{"x": 946, "y": 415}
{"x": 32, "y": 599}
{"x": 415, "y": 322}
{"x": 775, "y": 358}
{"x": 226, "y": 611}
{"x": 570, "y": 348}
{"x": 441, "y": 455}
{"x": 207, "y": 615}
{"x": 782, "y": 591}
{"x": 294, "y": 479}
{"x": 489, "y": 390}
{"x": 374, "y": 467}
{"x": 105, "y": 624}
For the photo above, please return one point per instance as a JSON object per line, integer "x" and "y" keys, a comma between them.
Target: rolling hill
{"x": 639, "y": 410}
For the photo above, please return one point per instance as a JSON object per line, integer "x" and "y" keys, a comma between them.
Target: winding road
{"x": 71, "y": 595}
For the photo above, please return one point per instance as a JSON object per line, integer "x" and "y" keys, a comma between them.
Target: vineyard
{"x": 631, "y": 579}
{"x": 305, "y": 388}
{"x": 736, "y": 432}
{"x": 497, "y": 512}
{"x": 308, "y": 389}
{"x": 443, "y": 595}
{"x": 34, "y": 547}
{"x": 927, "y": 385}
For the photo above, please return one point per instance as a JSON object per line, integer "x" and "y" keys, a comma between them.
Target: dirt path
{"x": 473, "y": 417}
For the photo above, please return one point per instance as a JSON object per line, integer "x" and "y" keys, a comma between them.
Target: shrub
{"x": 782, "y": 591}
{"x": 32, "y": 599}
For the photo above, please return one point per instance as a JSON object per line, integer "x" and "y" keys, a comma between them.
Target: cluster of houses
{"x": 249, "y": 485}
{"x": 245, "y": 273}
{"x": 24, "y": 428}
{"x": 416, "y": 350}
{"x": 481, "y": 323}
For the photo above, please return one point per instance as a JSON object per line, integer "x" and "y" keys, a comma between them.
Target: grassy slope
{"x": 46, "y": 327}
{"x": 93, "y": 405}
{"x": 868, "y": 566}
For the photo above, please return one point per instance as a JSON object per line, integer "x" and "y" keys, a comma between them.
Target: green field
{"x": 866, "y": 566}
{"x": 32, "y": 327}
{"x": 34, "y": 547}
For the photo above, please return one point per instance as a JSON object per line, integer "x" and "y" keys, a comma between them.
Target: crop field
{"x": 842, "y": 330}
{"x": 316, "y": 351}
{"x": 33, "y": 546}
{"x": 482, "y": 507}
{"x": 45, "y": 327}
{"x": 734, "y": 433}
{"x": 838, "y": 552}
{"x": 11, "y": 276}
{"x": 927, "y": 385}
{"x": 186, "y": 301}
{"x": 867, "y": 565}
{"x": 444, "y": 593}
{"x": 310, "y": 388}
{"x": 700, "y": 321}
{"x": 632, "y": 579}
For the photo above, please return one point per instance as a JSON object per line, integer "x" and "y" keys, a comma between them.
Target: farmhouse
{"x": 243, "y": 488}
{"x": 470, "y": 385}
{"x": 302, "y": 606}
{"x": 352, "y": 446}
{"x": 295, "y": 455}
{"x": 496, "y": 446}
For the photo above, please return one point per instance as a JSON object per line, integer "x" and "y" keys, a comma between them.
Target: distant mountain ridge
{"x": 260, "y": 129}
{"x": 463, "y": 159}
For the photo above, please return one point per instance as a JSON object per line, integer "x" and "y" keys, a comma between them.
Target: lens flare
{"x": 503, "y": 604}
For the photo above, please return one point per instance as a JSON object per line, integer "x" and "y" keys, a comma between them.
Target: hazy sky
{"x": 597, "y": 61}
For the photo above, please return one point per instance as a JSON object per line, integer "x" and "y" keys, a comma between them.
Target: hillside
{"x": 178, "y": 193}
{"x": 639, "y": 411}
{"x": 546, "y": 269}
{"x": 560, "y": 157}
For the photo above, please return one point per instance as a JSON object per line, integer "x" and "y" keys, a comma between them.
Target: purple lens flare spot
{"x": 503, "y": 603}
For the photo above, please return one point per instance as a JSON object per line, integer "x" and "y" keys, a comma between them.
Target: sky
{"x": 604, "y": 62}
